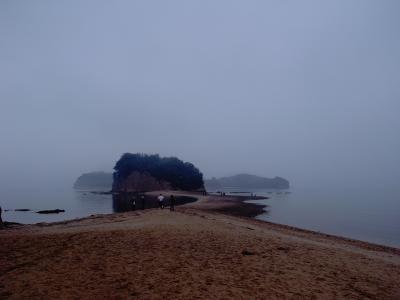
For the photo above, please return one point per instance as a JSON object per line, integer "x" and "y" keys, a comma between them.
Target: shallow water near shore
{"x": 371, "y": 215}
{"x": 76, "y": 203}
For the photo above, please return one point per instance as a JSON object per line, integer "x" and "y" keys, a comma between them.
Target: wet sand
{"x": 198, "y": 251}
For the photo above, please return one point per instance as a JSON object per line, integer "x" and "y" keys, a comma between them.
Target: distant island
{"x": 142, "y": 172}
{"x": 247, "y": 181}
{"x": 94, "y": 180}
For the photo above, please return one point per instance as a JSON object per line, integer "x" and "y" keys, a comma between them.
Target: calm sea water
{"x": 76, "y": 204}
{"x": 365, "y": 214}
{"x": 369, "y": 214}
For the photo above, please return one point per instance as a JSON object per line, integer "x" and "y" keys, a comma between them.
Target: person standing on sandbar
{"x": 133, "y": 202}
{"x": 161, "y": 201}
{"x": 172, "y": 203}
{"x": 142, "y": 198}
{"x": 1, "y": 220}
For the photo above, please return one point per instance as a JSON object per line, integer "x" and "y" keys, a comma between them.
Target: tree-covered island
{"x": 143, "y": 172}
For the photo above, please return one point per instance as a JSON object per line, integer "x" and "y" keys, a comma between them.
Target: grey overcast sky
{"x": 306, "y": 90}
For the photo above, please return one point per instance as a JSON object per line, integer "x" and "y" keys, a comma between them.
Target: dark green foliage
{"x": 94, "y": 180}
{"x": 181, "y": 175}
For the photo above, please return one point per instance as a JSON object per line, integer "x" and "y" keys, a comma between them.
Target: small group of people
{"x": 171, "y": 202}
{"x": 160, "y": 199}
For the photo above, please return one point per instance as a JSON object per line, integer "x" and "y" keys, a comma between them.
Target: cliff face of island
{"x": 142, "y": 173}
{"x": 247, "y": 181}
{"x": 94, "y": 180}
{"x": 140, "y": 182}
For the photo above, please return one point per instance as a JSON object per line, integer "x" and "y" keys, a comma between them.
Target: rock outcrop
{"x": 51, "y": 211}
{"x": 140, "y": 182}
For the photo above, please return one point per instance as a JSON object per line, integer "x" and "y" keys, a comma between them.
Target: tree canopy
{"x": 181, "y": 175}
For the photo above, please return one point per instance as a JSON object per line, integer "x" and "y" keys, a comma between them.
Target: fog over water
{"x": 306, "y": 90}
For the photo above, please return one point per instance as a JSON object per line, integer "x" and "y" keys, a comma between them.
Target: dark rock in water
{"x": 51, "y": 211}
{"x": 22, "y": 209}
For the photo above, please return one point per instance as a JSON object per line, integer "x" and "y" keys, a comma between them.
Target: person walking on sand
{"x": 1, "y": 220}
{"x": 142, "y": 198}
{"x": 133, "y": 202}
{"x": 172, "y": 203}
{"x": 161, "y": 201}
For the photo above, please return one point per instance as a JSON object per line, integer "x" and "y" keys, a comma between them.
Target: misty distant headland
{"x": 247, "y": 181}
{"x": 94, "y": 180}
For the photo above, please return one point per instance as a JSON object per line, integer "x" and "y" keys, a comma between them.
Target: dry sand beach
{"x": 196, "y": 252}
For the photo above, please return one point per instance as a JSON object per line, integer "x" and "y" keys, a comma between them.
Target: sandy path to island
{"x": 192, "y": 253}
